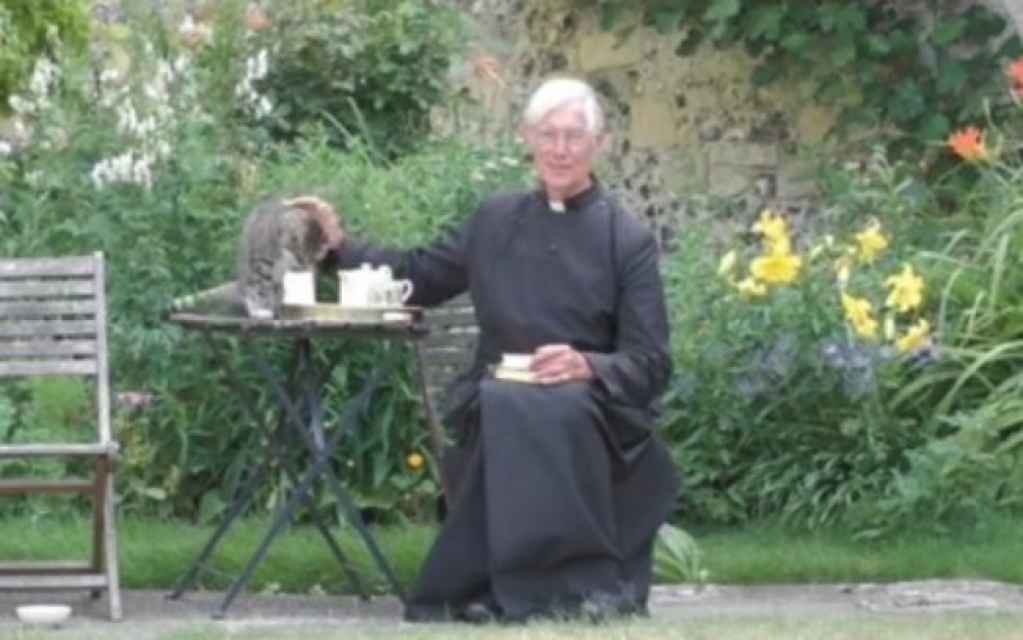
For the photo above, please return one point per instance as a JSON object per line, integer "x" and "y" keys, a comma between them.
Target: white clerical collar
{"x": 557, "y": 205}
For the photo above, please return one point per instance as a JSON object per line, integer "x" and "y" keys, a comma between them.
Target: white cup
{"x": 391, "y": 294}
{"x": 299, "y": 288}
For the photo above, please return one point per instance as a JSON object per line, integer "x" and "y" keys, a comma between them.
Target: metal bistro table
{"x": 303, "y": 398}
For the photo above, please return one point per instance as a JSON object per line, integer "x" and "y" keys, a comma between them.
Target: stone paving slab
{"x": 152, "y": 608}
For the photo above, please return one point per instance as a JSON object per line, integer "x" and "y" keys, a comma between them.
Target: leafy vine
{"x": 914, "y": 70}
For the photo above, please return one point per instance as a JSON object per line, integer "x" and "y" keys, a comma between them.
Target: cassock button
{"x": 553, "y": 247}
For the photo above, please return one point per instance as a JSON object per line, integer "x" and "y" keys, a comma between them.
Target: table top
{"x": 300, "y": 327}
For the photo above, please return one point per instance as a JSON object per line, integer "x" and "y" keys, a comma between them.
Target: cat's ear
{"x": 311, "y": 204}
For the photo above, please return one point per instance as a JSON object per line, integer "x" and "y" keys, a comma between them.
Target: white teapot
{"x": 370, "y": 286}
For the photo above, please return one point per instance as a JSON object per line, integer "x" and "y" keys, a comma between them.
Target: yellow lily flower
{"x": 771, "y": 225}
{"x": 870, "y": 241}
{"x": 905, "y": 290}
{"x": 776, "y": 268}
{"x": 727, "y": 263}
{"x": 751, "y": 286}
{"x": 858, "y": 313}
{"x": 914, "y": 337}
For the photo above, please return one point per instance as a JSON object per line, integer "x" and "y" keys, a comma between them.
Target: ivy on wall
{"x": 916, "y": 68}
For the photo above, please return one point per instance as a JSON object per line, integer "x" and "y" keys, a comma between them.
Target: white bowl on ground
{"x": 43, "y": 614}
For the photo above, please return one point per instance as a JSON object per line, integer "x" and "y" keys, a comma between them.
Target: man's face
{"x": 562, "y": 147}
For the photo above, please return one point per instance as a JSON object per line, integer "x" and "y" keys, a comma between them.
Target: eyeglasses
{"x": 575, "y": 139}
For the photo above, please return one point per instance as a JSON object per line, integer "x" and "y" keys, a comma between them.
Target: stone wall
{"x": 686, "y": 130}
{"x": 683, "y": 127}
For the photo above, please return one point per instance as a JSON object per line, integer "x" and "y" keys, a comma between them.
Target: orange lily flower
{"x": 487, "y": 66}
{"x": 968, "y": 144}
{"x": 1014, "y": 71}
{"x": 255, "y": 19}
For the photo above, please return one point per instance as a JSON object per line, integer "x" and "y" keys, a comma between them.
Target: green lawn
{"x": 152, "y": 554}
{"x": 768, "y": 554}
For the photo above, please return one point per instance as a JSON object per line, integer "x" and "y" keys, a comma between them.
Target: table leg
{"x": 312, "y": 381}
{"x": 252, "y": 482}
{"x": 278, "y": 442}
{"x": 321, "y": 465}
{"x": 322, "y": 454}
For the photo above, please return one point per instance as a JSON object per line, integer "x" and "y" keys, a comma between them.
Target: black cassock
{"x": 557, "y": 490}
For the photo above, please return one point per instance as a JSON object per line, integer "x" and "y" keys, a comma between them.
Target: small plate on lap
{"x": 515, "y": 367}
{"x": 514, "y": 375}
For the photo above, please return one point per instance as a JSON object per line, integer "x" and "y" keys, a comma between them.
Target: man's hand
{"x": 555, "y": 363}
{"x": 324, "y": 214}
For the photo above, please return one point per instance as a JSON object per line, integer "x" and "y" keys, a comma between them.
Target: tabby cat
{"x": 276, "y": 238}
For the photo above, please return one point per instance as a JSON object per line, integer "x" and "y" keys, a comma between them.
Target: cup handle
{"x": 406, "y": 290}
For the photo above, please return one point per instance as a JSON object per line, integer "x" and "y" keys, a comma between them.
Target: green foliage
{"x": 45, "y": 410}
{"x": 29, "y": 30}
{"x": 920, "y": 67}
{"x": 677, "y": 557}
{"x": 765, "y": 424}
{"x": 145, "y": 167}
{"x": 367, "y": 68}
{"x": 158, "y": 160}
{"x": 972, "y": 393}
{"x": 781, "y": 405}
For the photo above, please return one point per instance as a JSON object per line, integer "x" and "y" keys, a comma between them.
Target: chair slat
{"x": 449, "y": 357}
{"x": 447, "y": 340}
{"x": 36, "y": 288}
{"x": 47, "y": 267}
{"x": 83, "y": 450}
{"x": 46, "y": 309}
{"x": 16, "y": 486}
{"x": 452, "y": 318}
{"x": 53, "y": 566}
{"x": 12, "y": 368}
{"x": 46, "y": 348}
{"x": 41, "y": 329}
{"x": 60, "y": 582}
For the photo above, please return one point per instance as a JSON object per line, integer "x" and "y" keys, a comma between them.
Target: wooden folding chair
{"x": 53, "y": 323}
{"x": 446, "y": 353}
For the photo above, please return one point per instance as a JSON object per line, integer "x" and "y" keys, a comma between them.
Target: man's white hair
{"x": 555, "y": 93}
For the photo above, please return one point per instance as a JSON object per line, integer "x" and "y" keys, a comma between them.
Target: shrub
{"x": 30, "y": 30}
{"x": 971, "y": 395}
{"x": 786, "y": 367}
{"x": 368, "y": 69}
{"x": 785, "y": 406}
{"x": 145, "y": 167}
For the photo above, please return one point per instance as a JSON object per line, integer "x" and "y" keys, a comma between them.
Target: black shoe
{"x": 478, "y": 613}
{"x": 604, "y": 607}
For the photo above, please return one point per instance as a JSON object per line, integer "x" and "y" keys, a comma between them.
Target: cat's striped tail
{"x": 222, "y": 298}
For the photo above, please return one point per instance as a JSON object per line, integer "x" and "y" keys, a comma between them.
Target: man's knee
{"x": 564, "y": 393}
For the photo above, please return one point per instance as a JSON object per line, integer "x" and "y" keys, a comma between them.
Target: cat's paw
{"x": 258, "y": 312}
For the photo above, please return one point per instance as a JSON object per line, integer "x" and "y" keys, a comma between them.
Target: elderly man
{"x": 559, "y": 486}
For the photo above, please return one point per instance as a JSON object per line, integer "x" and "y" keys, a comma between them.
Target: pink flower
{"x": 134, "y": 399}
